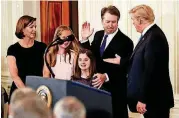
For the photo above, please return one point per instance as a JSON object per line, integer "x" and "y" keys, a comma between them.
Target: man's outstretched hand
{"x": 115, "y": 60}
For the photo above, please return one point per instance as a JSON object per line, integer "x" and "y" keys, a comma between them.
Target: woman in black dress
{"x": 85, "y": 67}
{"x": 25, "y": 57}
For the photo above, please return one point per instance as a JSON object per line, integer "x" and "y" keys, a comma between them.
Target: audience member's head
{"x": 25, "y": 103}
{"x": 33, "y": 107}
{"x": 20, "y": 94}
{"x": 69, "y": 107}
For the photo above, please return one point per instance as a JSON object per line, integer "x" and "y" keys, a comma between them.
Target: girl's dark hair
{"x": 22, "y": 23}
{"x": 92, "y": 68}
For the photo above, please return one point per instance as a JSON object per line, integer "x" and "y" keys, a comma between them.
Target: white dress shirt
{"x": 109, "y": 38}
{"x": 147, "y": 28}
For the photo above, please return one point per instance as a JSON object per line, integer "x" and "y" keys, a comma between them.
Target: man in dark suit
{"x": 112, "y": 50}
{"x": 149, "y": 87}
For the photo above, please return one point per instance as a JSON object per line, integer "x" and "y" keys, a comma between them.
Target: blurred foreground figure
{"x": 69, "y": 107}
{"x": 25, "y": 103}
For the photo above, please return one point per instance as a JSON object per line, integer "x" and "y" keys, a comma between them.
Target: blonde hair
{"x": 20, "y": 94}
{"x": 69, "y": 107}
{"x": 52, "y": 54}
{"x": 33, "y": 107}
{"x": 143, "y": 12}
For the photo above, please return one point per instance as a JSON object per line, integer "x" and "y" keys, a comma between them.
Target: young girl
{"x": 61, "y": 57}
{"x": 85, "y": 67}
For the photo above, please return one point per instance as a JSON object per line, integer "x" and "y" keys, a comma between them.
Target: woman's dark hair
{"x": 22, "y": 23}
{"x": 92, "y": 68}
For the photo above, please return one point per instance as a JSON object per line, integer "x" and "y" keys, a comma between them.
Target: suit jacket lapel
{"x": 142, "y": 40}
{"x": 137, "y": 46}
{"x": 111, "y": 42}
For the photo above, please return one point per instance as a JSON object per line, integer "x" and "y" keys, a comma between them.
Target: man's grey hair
{"x": 69, "y": 107}
{"x": 20, "y": 94}
{"x": 33, "y": 107}
{"x": 25, "y": 103}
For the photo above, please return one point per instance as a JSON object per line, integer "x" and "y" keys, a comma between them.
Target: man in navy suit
{"x": 112, "y": 50}
{"x": 149, "y": 87}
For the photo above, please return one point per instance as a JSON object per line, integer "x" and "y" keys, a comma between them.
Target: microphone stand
{"x": 53, "y": 43}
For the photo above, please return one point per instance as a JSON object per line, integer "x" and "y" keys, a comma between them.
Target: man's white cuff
{"x": 107, "y": 78}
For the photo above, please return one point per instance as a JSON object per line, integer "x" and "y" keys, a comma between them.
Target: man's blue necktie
{"x": 141, "y": 37}
{"x": 103, "y": 45}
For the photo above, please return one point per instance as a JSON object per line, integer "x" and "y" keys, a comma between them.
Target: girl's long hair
{"x": 74, "y": 45}
{"x": 92, "y": 68}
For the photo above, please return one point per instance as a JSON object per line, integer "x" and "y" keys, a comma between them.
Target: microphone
{"x": 59, "y": 41}
{"x": 68, "y": 38}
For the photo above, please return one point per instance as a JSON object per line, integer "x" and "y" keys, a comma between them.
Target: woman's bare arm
{"x": 11, "y": 60}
